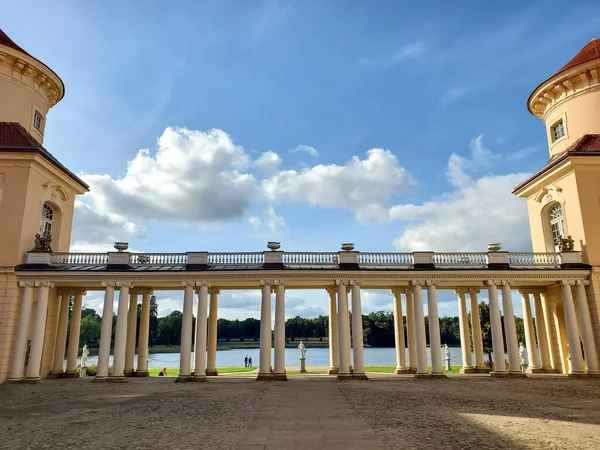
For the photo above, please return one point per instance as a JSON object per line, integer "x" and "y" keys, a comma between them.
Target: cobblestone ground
{"x": 304, "y": 413}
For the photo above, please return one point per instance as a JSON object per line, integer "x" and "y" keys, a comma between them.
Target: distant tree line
{"x": 378, "y": 328}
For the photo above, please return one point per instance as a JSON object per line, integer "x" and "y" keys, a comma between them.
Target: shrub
{"x": 92, "y": 371}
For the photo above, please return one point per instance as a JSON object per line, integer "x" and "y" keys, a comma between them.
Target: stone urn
{"x": 121, "y": 246}
{"x": 274, "y": 245}
{"x": 347, "y": 247}
{"x": 494, "y": 247}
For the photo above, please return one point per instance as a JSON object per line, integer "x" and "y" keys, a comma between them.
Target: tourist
{"x": 246, "y": 361}
{"x": 250, "y": 361}
{"x": 164, "y": 371}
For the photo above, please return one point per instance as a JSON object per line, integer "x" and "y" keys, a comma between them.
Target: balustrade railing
{"x": 78, "y": 258}
{"x": 154, "y": 259}
{"x": 460, "y": 259}
{"x": 385, "y": 259}
{"x": 310, "y": 258}
{"x": 232, "y": 259}
{"x": 534, "y": 259}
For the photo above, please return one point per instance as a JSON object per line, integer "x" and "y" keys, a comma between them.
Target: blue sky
{"x": 394, "y": 126}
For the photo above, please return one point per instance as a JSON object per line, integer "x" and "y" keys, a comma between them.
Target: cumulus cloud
{"x": 478, "y": 212}
{"x": 268, "y": 162}
{"x": 194, "y": 177}
{"x": 307, "y": 149}
{"x": 364, "y": 187}
{"x": 270, "y": 220}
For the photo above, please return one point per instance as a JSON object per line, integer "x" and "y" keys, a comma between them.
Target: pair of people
{"x": 247, "y": 361}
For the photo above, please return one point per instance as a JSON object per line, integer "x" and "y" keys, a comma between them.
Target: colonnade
{"x": 346, "y": 360}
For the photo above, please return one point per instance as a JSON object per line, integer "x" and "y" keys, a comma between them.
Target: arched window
{"x": 47, "y": 218}
{"x": 557, "y": 225}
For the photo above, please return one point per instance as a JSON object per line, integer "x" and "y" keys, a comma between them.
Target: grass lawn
{"x": 174, "y": 371}
{"x": 390, "y": 369}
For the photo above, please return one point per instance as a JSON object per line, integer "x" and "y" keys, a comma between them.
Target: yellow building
{"x": 38, "y": 275}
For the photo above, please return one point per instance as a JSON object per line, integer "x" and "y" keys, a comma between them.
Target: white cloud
{"x": 408, "y": 51}
{"x": 268, "y": 162}
{"x": 255, "y": 222}
{"x": 477, "y": 213}
{"x": 270, "y": 220}
{"x": 306, "y": 148}
{"x": 195, "y": 177}
{"x": 364, "y": 187}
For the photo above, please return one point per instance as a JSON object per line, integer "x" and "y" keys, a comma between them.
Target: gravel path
{"x": 230, "y": 413}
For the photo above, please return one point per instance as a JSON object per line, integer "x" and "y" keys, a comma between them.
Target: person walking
{"x": 246, "y": 361}
{"x": 250, "y": 361}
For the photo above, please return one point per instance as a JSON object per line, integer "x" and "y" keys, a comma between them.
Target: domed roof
{"x": 588, "y": 53}
{"x": 8, "y": 42}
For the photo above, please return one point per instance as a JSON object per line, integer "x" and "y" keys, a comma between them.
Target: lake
{"x": 314, "y": 357}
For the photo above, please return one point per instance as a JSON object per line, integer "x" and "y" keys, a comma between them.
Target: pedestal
{"x": 302, "y": 365}
{"x": 447, "y": 361}
{"x": 83, "y": 372}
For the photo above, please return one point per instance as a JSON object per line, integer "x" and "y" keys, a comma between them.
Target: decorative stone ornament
{"x": 566, "y": 244}
{"x": 494, "y": 247}
{"x": 347, "y": 247}
{"x": 121, "y": 246}
{"x": 42, "y": 243}
{"x": 274, "y": 245}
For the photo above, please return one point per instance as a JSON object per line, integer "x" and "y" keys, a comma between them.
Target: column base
{"x": 579, "y": 375}
{"x": 402, "y": 371}
{"x": 279, "y": 377}
{"x": 517, "y": 375}
{"x": 116, "y": 379}
{"x": 333, "y": 371}
{"x": 142, "y": 373}
{"x": 73, "y": 374}
{"x": 438, "y": 375}
{"x": 594, "y": 374}
{"x": 55, "y": 375}
{"x": 100, "y": 379}
{"x": 534, "y": 370}
{"x": 467, "y": 370}
{"x": 359, "y": 376}
{"x": 344, "y": 376}
{"x": 32, "y": 380}
{"x": 198, "y": 378}
{"x": 411, "y": 370}
{"x": 263, "y": 377}
{"x": 15, "y": 380}
{"x": 129, "y": 373}
{"x": 422, "y": 376}
{"x": 482, "y": 370}
{"x": 500, "y": 374}
{"x": 183, "y": 378}
{"x": 212, "y": 373}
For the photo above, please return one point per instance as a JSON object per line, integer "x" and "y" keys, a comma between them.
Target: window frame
{"x": 38, "y": 115}
{"x": 47, "y": 220}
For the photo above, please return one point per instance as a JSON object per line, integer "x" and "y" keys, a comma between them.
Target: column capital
{"x": 432, "y": 283}
{"x": 109, "y": 284}
{"x": 28, "y": 283}
{"x": 506, "y": 282}
{"x": 124, "y": 284}
{"x": 567, "y": 282}
{"x": 524, "y": 292}
{"x": 342, "y": 282}
{"x": 582, "y": 282}
{"x": 461, "y": 292}
{"x": 279, "y": 283}
{"x": 203, "y": 283}
{"x": 47, "y": 284}
{"x": 417, "y": 283}
{"x": 356, "y": 282}
{"x": 215, "y": 291}
{"x": 268, "y": 282}
{"x": 143, "y": 291}
{"x": 493, "y": 282}
{"x": 473, "y": 291}
{"x": 331, "y": 290}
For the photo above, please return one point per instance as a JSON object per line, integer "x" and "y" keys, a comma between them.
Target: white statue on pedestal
{"x": 302, "y": 349}
{"x": 84, "y": 356}
{"x": 522, "y": 353}
{"x": 446, "y": 351}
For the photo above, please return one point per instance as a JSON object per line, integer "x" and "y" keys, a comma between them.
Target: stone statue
{"x": 522, "y": 353}
{"x": 84, "y": 356}
{"x": 566, "y": 244}
{"x": 446, "y": 351}
{"x": 302, "y": 349}
{"x": 42, "y": 243}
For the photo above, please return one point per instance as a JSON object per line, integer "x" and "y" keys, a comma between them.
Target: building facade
{"x": 559, "y": 283}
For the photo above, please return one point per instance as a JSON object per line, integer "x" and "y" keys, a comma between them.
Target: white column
{"x": 39, "y": 330}
{"x": 211, "y": 362}
{"x": 144, "y": 334}
{"x": 514, "y": 362}
{"x": 74, "y": 332}
{"x": 496, "y": 325}
{"x": 399, "y": 332}
{"x": 422, "y": 368}
{"x": 121, "y": 331}
{"x": 532, "y": 353}
{"x": 279, "y": 366}
{"x": 343, "y": 330}
{"x": 61, "y": 335}
{"x": 18, "y": 362}
{"x": 357, "y": 333}
{"x": 411, "y": 336}
{"x": 185, "y": 354}
{"x": 465, "y": 338}
{"x": 201, "y": 331}
{"x": 435, "y": 342}
{"x": 131, "y": 332}
{"x": 589, "y": 347}
{"x": 334, "y": 358}
{"x": 264, "y": 370}
{"x": 542, "y": 336}
{"x": 577, "y": 365}
{"x": 476, "y": 330}
{"x": 105, "y": 330}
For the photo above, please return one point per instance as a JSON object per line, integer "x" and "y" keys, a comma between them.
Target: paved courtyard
{"x": 304, "y": 413}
